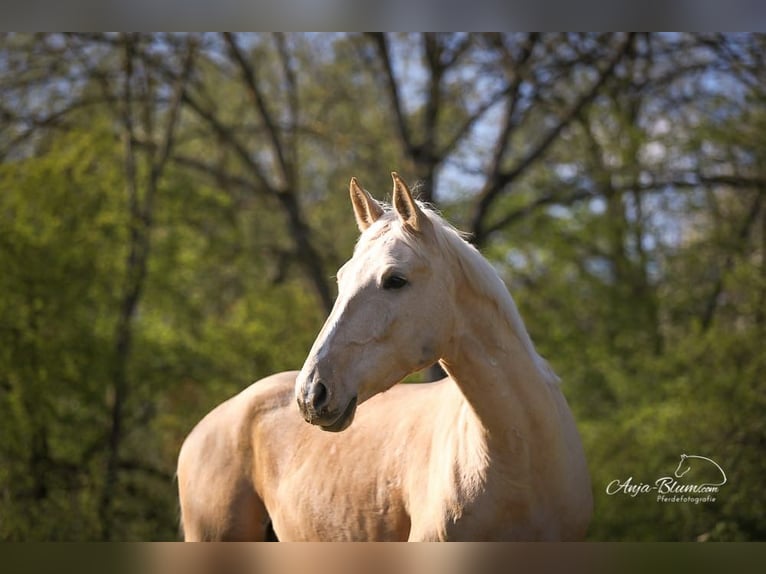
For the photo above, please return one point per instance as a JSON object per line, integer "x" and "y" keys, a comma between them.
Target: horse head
{"x": 392, "y": 316}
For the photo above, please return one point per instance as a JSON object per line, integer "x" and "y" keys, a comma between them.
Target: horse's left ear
{"x": 406, "y": 207}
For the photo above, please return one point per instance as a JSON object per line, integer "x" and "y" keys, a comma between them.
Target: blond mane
{"x": 482, "y": 278}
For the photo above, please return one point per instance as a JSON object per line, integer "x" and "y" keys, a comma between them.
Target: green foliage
{"x": 647, "y": 379}
{"x": 62, "y": 226}
{"x": 649, "y": 301}
{"x": 210, "y": 323}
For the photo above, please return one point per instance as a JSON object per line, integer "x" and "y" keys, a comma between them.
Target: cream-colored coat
{"x": 490, "y": 453}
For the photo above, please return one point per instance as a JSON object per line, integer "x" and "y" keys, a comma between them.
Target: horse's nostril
{"x": 318, "y": 396}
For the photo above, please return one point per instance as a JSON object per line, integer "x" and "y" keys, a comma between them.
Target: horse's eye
{"x": 394, "y": 282}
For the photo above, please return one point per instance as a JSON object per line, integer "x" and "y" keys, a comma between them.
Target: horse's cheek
{"x": 364, "y": 325}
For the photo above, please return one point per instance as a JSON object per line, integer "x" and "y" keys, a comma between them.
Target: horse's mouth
{"x": 344, "y": 420}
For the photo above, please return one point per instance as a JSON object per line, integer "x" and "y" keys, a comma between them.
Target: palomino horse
{"x": 489, "y": 453}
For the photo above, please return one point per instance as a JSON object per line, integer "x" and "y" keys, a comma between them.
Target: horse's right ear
{"x": 366, "y": 209}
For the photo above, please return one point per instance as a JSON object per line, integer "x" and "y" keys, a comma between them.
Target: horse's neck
{"x": 499, "y": 374}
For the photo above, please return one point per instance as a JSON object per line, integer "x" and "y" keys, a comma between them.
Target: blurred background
{"x": 173, "y": 208}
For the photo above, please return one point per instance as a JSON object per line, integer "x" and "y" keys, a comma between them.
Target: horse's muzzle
{"x": 315, "y": 403}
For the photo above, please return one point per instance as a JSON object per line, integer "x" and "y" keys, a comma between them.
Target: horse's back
{"x": 215, "y": 466}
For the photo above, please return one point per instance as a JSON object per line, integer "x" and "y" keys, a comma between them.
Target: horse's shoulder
{"x": 269, "y": 392}
{"x": 233, "y": 417}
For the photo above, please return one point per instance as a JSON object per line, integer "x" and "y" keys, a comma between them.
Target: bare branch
{"x": 166, "y": 145}
{"x": 53, "y": 120}
{"x": 299, "y": 229}
{"x": 135, "y": 271}
{"x": 504, "y": 137}
{"x": 511, "y": 91}
{"x": 251, "y": 81}
{"x": 697, "y": 181}
{"x": 498, "y": 181}
{"x": 221, "y": 130}
{"x": 741, "y": 240}
{"x": 226, "y": 133}
{"x": 557, "y": 198}
{"x": 544, "y": 200}
{"x": 433, "y": 52}
{"x": 219, "y": 174}
{"x": 381, "y": 44}
{"x": 458, "y": 51}
{"x": 292, "y": 94}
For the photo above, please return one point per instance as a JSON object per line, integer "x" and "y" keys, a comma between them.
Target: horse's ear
{"x": 366, "y": 209}
{"x": 409, "y": 211}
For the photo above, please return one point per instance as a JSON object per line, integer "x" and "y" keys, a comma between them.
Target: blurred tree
{"x": 141, "y": 192}
{"x": 173, "y": 207}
